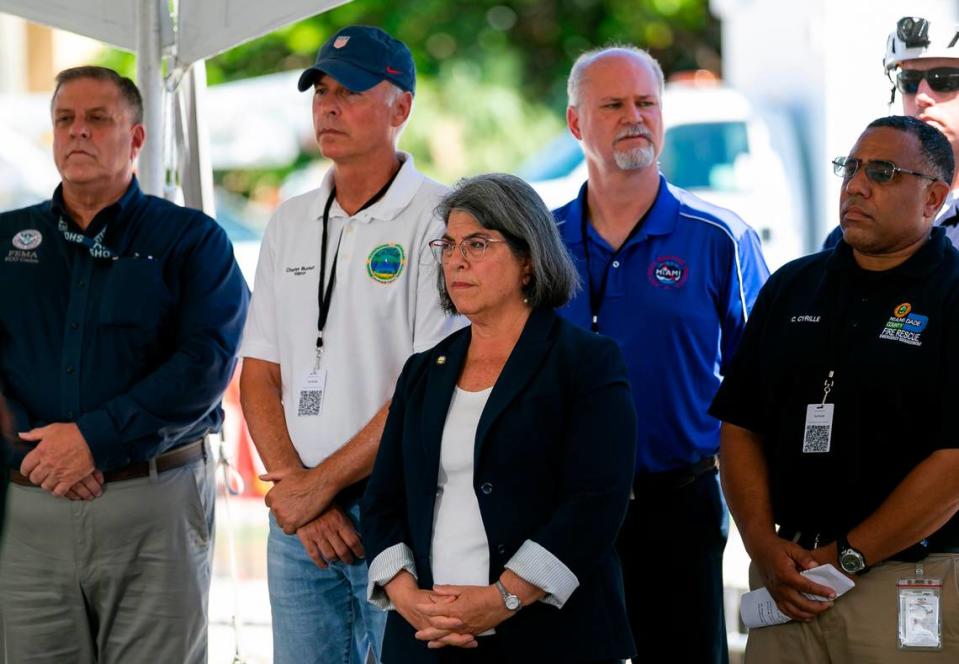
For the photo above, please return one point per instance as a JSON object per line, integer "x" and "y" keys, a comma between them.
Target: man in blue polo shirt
{"x": 119, "y": 322}
{"x": 672, "y": 279}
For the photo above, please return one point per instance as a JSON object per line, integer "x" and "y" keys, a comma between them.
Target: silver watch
{"x": 509, "y": 599}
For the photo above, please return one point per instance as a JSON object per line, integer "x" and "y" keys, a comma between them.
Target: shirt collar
{"x": 396, "y": 199}
{"x": 114, "y": 211}
{"x": 660, "y": 219}
{"x": 921, "y": 264}
{"x": 949, "y": 207}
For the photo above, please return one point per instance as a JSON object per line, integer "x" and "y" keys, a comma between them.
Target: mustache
{"x": 634, "y": 130}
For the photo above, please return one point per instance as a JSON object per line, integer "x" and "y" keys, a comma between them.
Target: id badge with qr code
{"x": 817, "y": 436}
{"x": 920, "y": 620}
{"x": 310, "y": 393}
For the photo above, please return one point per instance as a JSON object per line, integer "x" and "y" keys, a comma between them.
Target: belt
{"x": 175, "y": 458}
{"x": 676, "y": 478}
{"x": 811, "y": 539}
{"x": 807, "y": 539}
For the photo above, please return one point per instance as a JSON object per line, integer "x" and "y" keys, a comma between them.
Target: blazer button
{"x": 487, "y": 488}
{"x": 501, "y": 549}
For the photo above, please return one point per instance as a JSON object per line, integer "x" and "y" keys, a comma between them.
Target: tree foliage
{"x": 491, "y": 74}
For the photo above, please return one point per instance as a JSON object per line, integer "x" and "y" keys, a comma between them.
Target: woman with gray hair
{"x": 505, "y": 467}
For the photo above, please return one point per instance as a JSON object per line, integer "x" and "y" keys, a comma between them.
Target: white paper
{"x": 758, "y": 608}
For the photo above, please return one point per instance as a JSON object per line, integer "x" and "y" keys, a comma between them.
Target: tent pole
{"x": 150, "y": 82}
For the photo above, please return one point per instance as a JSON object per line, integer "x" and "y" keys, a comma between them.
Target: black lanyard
{"x": 325, "y": 293}
{"x": 596, "y": 297}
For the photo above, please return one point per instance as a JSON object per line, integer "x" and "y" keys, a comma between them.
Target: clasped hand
{"x": 298, "y": 496}
{"x": 780, "y": 562}
{"x": 456, "y": 615}
{"x": 61, "y": 463}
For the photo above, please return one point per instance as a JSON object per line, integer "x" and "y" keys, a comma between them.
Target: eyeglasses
{"x": 879, "y": 171}
{"x": 941, "y": 79}
{"x": 473, "y": 248}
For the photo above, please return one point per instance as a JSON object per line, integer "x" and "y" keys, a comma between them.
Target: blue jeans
{"x": 319, "y": 615}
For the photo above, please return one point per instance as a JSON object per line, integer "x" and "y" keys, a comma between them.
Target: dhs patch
{"x": 668, "y": 272}
{"x": 27, "y": 240}
{"x": 385, "y": 263}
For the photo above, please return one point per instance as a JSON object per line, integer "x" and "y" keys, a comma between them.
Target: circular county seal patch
{"x": 902, "y": 310}
{"x": 668, "y": 272}
{"x": 385, "y": 263}
{"x": 27, "y": 240}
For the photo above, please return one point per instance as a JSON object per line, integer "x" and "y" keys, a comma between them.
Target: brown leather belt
{"x": 175, "y": 458}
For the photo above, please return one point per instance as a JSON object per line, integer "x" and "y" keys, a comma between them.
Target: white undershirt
{"x": 459, "y": 551}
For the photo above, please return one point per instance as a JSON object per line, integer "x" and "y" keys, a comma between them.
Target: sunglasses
{"x": 879, "y": 171}
{"x": 940, "y": 79}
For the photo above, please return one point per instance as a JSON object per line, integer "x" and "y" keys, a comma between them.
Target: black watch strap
{"x": 851, "y": 559}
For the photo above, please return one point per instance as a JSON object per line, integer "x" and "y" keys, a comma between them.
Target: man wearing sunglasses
{"x": 922, "y": 62}
{"x": 838, "y": 420}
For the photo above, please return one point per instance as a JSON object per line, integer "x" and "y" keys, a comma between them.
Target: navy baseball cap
{"x": 359, "y": 57}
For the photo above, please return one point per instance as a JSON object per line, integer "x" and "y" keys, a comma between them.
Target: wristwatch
{"x": 509, "y": 599}
{"x": 850, "y": 560}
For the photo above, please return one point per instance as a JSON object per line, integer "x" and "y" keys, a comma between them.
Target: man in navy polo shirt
{"x": 119, "y": 322}
{"x": 672, "y": 279}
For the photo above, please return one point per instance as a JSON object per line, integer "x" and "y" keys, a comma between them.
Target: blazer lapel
{"x": 522, "y": 364}
{"x": 441, "y": 379}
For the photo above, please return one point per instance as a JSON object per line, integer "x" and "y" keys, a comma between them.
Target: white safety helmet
{"x": 916, "y": 37}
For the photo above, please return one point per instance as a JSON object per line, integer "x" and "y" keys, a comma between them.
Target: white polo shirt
{"x": 385, "y": 304}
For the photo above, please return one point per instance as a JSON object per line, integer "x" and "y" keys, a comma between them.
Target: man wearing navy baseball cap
{"x": 359, "y": 57}
{"x": 341, "y": 300}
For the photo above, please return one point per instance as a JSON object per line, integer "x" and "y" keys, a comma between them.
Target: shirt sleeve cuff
{"x": 536, "y": 565}
{"x": 101, "y": 435}
{"x": 382, "y": 570}
{"x": 258, "y": 350}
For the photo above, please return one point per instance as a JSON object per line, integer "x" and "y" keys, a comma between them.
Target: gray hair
{"x": 589, "y": 57}
{"x": 505, "y": 203}
{"x": 129, "y": 92}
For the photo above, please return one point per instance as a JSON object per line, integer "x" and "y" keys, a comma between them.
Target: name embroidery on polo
{"x": 668, "y": 272}
{"x": 805, "y": 318}
{"x": 385, "y": 263}
{"x": 300, "y": 270}
{"x": 905, "y": 326}
{"x": 24, "y": 244}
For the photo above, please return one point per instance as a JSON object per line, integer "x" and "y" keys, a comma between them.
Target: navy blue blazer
{"x": 554, "y": 457}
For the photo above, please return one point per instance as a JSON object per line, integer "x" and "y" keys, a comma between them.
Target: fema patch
{"x": 385, "y": 263}
{"x": 905, "y": 326}
{"x": 668, "y": 272}
{"x": 27, "y": 240}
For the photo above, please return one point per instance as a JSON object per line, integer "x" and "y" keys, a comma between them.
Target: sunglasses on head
{"x": 879, "y": 171}
{"x": 940, "y": 79}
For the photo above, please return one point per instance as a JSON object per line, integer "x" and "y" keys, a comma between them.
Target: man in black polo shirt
{"x": 838, "y": 420}
{"x": 119, "y": 322}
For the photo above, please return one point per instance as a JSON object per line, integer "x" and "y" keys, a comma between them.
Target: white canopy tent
{"x": 179, "y": 34}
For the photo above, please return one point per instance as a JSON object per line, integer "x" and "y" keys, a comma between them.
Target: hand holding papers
{"x": 758, "y": 608}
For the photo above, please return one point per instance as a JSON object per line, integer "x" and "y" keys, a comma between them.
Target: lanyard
{"x": 596, "y": 296}
{"x": 325, "y": 293}
{"x": 835, "y": 323}
{"x": 94, "y": 245}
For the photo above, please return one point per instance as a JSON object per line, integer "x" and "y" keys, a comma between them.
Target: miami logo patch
{"x": 385, "y": 263}
{"x": 668, "y": 272}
